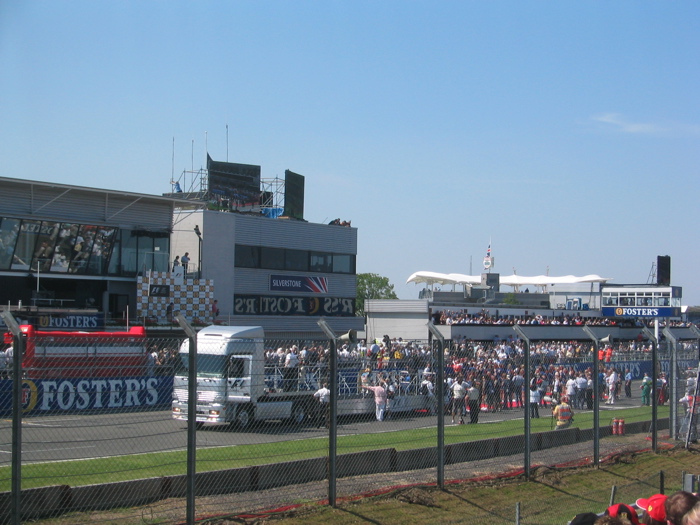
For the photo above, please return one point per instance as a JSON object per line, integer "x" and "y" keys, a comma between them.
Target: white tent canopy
{"x": 515, "y": 281}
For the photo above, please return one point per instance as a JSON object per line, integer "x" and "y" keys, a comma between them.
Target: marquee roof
{"x": 509, "y": 280}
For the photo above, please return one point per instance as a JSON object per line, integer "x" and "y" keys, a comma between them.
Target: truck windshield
{"x": 207, "y": 365}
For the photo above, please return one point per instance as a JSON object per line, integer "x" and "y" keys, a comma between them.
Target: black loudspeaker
{"x": 663, "y": 270}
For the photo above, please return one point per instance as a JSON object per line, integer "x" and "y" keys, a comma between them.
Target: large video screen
{"x": 232, "y": 185}
{"x": 293, "y": 195}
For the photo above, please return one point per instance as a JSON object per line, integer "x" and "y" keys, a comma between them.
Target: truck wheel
{"x": 298, "y": 413}
{"x": 244, "y": 417}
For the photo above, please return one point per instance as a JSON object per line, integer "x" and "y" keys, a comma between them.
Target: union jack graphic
{"x": 317, "y": 284}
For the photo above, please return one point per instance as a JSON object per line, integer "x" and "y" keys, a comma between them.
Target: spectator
{"x": 534, "y": 401}
{"x": 653, "y": 509}
{"x": 563, "y": 414}
{"x": 459, "y": 392}
{"x": 678, "y": 505}
{"x": 379, "y": 399}
{"x": 692, "y": 517}
{"x": 624, "y": 512}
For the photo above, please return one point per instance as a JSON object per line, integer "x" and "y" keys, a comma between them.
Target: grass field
{"x": 552, "y": 496}
{"x": 140, "y": 466}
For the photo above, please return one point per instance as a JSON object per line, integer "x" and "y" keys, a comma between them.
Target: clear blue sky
{"x": 567, "y": 133}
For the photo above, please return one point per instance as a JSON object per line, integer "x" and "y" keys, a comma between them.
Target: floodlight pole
{"x": 440, "y": 384}
{"x": 17, "y": 354}
{"x": 333, "y": 426}
{"x": 191, "y": 417}
{"x": 654, "y": 379}
{"x": 596, "y": 396}
{"x": 526, "y": 395}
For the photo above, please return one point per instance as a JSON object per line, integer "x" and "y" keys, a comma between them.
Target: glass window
{"x": 343, "y": 264}
{"x": 45, "y": 244}
{"x": 610, "y": 300}
{"x": 63, "y": 253}
{"x": 321, "y": 262}
{"x": 161, "y": 254}
{"x": 247, "y": 256}
{"x": 129, "y": 254}
{"x": 26, "y": 243}
{"x": 297, "y": 260}
{"x": 9, "y": 231}
{"x": 101, "y": 249}
{"x": 82, "y": 249}
{"x": 272, "y": 258}
{"x": 115, "y": 261}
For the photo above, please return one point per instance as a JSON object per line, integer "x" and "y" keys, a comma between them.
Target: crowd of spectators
{"x": 680, "y": 508}
{"x": 451, "y": 317}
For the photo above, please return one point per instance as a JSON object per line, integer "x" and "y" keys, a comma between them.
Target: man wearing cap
{"x": 563, "y": 414}
{"x": 654, "y": 508}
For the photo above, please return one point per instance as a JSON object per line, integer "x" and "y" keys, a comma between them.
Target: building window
{"x": 272, "y": 258}
{"x": 24, "y": 251}
{"x": 296, "y": 260}
{"x": 293, "y": 260}
{"x": 343, "y": 264}
{"x": 321, "y": 262}
{"x": 9, "y": 231}
{"x": 247, "y": 256}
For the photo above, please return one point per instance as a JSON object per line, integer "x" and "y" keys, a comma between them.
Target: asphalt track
{"x": 72, "y": 437}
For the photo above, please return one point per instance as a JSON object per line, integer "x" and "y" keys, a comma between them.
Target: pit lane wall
{"x": 55, "y": 500}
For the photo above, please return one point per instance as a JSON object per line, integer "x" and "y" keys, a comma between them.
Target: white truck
{"x": 235, "y": 386}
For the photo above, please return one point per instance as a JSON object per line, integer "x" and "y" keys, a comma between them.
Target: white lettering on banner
{"x": 115, "y": 391}
{"x": 151, "y": 391}
{"x": 74, "y": 321}
{"x": 642, "y": 312}
{"x": 334, "y": 305}
{"x": 99, "y": 388}
{"x": 287, "y": 283}
{"x": 66, "y": 395}
{"x": 281, "y": 305}
{"x": 49, "y": 393}
{"x": 132, "y": 392}
{"x": 83, "y": 395}
{"x": 245, "y": 306}
{"x": 97, "y": 393}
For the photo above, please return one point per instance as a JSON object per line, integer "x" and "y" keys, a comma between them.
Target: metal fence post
{"x": 191, "y": 417}
{"x": 333, "y": 427}
{"x": 596, "y": 395}
{"x": 526, "y": 395}
{"x": 654, "y": 379}
{"x": 17, "y": 355}
{"x": 440, "y": 384}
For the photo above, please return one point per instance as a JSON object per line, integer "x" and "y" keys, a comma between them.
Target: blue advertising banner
{"x": 295, "y": 283}
{"x": 94, "y": 321}
{"x": 56, "y": 395}
{"x": 640, "y": 311}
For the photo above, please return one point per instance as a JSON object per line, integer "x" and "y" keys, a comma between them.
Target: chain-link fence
{"x": 102, "y": 421}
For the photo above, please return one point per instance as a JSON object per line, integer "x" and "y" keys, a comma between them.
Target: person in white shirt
{"x": 323, "y": 395}
{"x": 459, "y": 392}
{"x": 612, "y": 381}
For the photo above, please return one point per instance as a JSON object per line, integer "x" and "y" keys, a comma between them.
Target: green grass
{"x": 140, "y": 466}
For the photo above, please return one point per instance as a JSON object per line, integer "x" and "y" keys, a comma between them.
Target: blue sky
{"x": 566, "y": 133}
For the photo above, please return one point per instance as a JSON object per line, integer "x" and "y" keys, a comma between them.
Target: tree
{"x": 372, "y": 286}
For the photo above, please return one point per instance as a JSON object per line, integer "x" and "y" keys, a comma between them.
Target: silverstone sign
{"x": 294, "y": 283}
